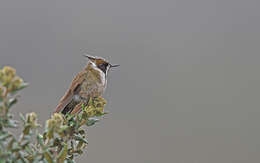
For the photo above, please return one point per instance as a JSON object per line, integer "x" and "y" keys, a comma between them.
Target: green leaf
{"x": 16, "y": 147}
{"x": 11, "y": 123}
{"x": 28, "y": 149}
{"x": 70, "y": 161}
{"x": 40, "y": 140}
{"x": 79, "y": 138}
{"x": 22, "y": 86}
{"x": 79, "y": 145}
{"x": 28, "y": 137}
{"x": 25, "y": 143}
{"x": 2, "y": 160}
{"x": 63, "y": 154}
{"x": 69, "y": 116}
{"x": 100, "y": 114}
{"x": 56, "y": 142}
{"x": 48, "y": 157}
{"x": 19, "y": 161}
{"x": 22, "y": 157}
{"x": 72, "y": 145}
{"x": 10, "y": 116}
{"x": 22, "y": 117}
{"x": 64, "y": 128}
{"x": 82, "y": 132}
{"x": 4, "y": 136}
{"x": 37, "y": 159}
{"x": 50, "y": 134}
{"x": 26, "y": 129}
{"x": 11, "y": 102}
{"x": 10, "y": 144}
{"x": 91, "y": 122}
{"x": 78, "y": 151}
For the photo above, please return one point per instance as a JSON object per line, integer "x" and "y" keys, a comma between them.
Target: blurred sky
{"x": 187, "y": 90}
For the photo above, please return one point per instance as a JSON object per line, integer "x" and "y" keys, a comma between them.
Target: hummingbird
{"x": 89, "y": 83}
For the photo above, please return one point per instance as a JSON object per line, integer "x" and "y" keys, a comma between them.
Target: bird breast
{"x": 93, "y": 85}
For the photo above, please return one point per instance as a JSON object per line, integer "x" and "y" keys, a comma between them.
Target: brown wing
{"x": 71, "y": 91}
{"x": 77, "y": 108}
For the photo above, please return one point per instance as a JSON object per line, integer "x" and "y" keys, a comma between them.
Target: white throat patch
{"x": 103, "y": 75}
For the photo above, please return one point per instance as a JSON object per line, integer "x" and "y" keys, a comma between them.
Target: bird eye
{"x": 103, "y": 67}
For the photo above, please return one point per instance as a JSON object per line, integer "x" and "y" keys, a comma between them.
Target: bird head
{"x": 100, "y": 63}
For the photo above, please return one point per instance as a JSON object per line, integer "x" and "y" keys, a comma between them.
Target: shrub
{"x": 63, "y": 138}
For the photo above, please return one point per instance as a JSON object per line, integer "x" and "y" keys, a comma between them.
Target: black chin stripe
{"x": 103, "y": 67}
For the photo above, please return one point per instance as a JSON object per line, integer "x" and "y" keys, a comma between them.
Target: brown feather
{"x": 71, "y": 91}
{"x": 88, "y": 83}
{"x": 100, "y": 61}
{"x": 77, "y": 108}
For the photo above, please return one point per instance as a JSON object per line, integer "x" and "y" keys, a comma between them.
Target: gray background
{"x": 188, "y": 87}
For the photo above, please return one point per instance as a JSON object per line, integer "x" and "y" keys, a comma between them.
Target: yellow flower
{"x": 1, "y": 76}
{"x": 99, "y": 102}
{"x": 1, "y": 91}
{"x": 31, "y": 118}
{"x": 90, "y": 110}
{"x": 91, "y": 113}
{"x": 6, "y": 76}
{"x": 50, "y": 123}
{"x": 7, "y": 80}
{"x": 15, "y": 84}
{"x": 100, "y": 110}
{"x": 58, "y": 118}
{"x": 9, "y": 71}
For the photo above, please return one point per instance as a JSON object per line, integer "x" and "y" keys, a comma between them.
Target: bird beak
{"x": 89, "y": 57}
{"x": 114, "y": 66}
